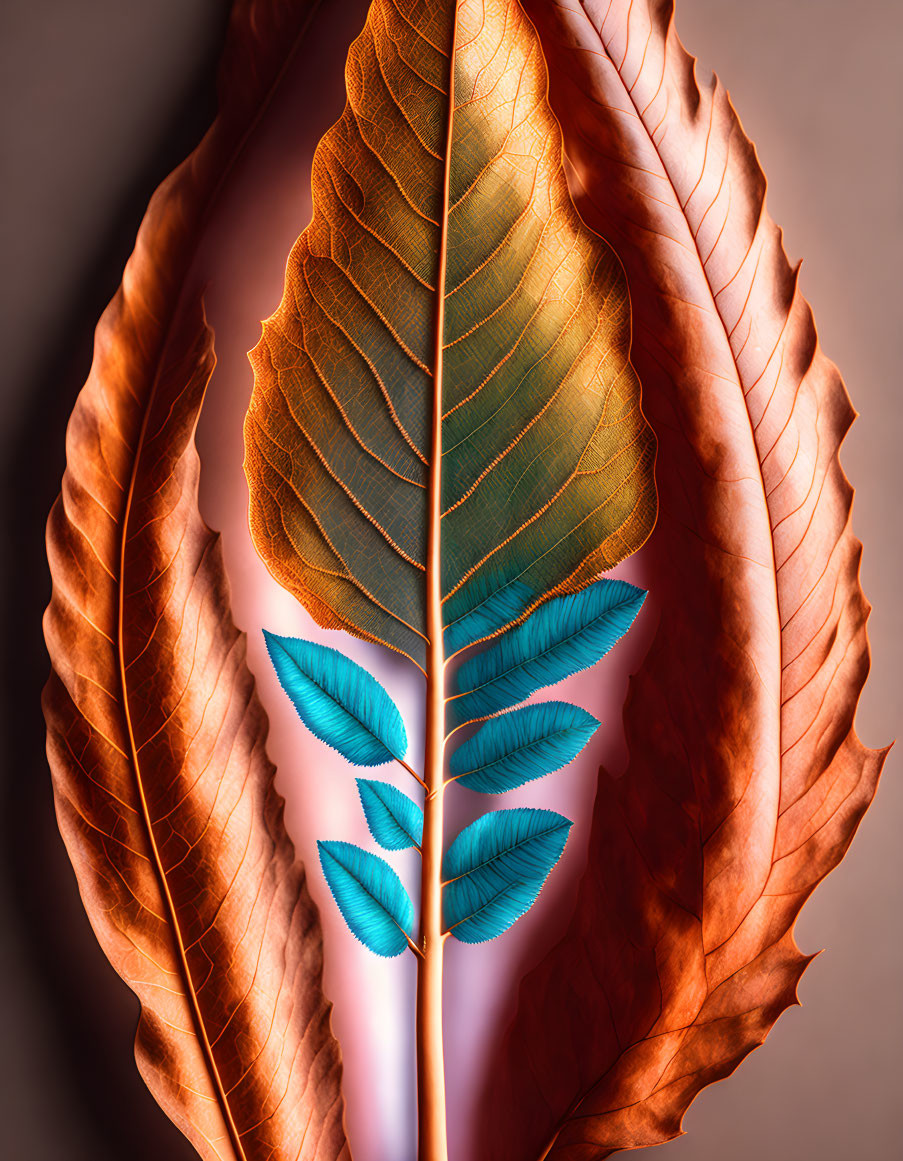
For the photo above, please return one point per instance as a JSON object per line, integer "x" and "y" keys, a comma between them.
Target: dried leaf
{"x": 746, "y": 779}
{"x": 546, "y": 465}
{"x": 156, "y": 738}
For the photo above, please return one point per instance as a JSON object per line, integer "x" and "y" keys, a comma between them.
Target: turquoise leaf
{"x": 495, "y": 868}
{"x": 338, "y": 700}
{"x": 558, "y": 639}
{"x": 395, "y": 821}
{"x": 498, "y": 603}
{"x": 369, "y": 895}
{"x": 522, "y": 745}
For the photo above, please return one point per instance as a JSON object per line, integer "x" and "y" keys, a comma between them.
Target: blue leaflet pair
{"x": 495, "y": 868}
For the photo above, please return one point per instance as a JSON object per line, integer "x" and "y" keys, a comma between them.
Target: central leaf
{"x": 546, "y": 469}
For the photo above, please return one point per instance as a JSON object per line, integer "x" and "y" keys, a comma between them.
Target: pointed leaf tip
{"x": 370, "y": 896}
{"x": 395, "y": 821}
{"x": 338, "y": 700}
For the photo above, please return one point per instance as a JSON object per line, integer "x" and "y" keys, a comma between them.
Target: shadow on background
{"x": 91, "y": 1015}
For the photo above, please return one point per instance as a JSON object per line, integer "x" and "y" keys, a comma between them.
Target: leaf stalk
{"x": 432, "y": 1134}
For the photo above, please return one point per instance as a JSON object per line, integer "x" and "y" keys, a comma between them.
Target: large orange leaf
{"x": 746, "y": 779}
{"x": 156, "y": 738}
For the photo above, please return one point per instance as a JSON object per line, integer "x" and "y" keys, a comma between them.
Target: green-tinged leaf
{"x": 546, "y": 458}
{"x": 338, "y": 700}
{"x": 496, "y": 867}
{"x": 522, "y": 745}
{"x": 560, "y": 638}
{"x": 394, "y": 820}
{"x": 369, "y": 895}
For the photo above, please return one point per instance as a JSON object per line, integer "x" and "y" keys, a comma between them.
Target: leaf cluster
{"x": 495, "y": 868}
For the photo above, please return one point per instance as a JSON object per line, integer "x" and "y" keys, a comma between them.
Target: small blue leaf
{"x": 394, "y": 820}
{"x": 370, "y": 896}
{"x": 560, "y": 638}
{"x": 521, "y": 745}
{"x": 496, "y": 867}
{"x": 338, "y": 700}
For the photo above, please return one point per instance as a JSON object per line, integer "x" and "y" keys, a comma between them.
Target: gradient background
{"x": 101, "y": 98}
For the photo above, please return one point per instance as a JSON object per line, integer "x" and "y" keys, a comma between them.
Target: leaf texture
{"x": 520, "y": 746}
{"x": 339, "y": 701}
{"x": 395, "y": 821}
{"x": 746, "y": 779}
{"x": 496, "y": 867}
{"x": 370, "y": 896}
{"x": 547, "y": 459}
{"x": 164, "y": 793}
{"x": 559, "y": 639}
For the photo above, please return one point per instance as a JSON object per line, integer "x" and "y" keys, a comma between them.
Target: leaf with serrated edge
{"x": 495, "y": 869}
{"x": 522, "y": 745}
{"x": 338, "y": 700}
{"x": 394, "y": 820}
{"x": 370, "y": 896}
{"x": 559, "y": 639}
{"x": 163, "y": 791}
{"x": 746, "y": 778}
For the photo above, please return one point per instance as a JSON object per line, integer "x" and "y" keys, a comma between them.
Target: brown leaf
{"x": 746, "y": 779}
{"x": 156, "y": 738}
{"x": 534, "y": 337}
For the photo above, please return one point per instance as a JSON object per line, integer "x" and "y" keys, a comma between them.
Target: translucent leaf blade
{"x": 547, "y": 462}
{"x": 338, "y": 700}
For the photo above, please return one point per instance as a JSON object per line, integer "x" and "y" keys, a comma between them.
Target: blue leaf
{"x": 370, "y": 896}
{"x": 394, "y": 820}
{"x": 497, "y": 603}
{"x": 496, "y": 867}
{"x": 560, "y": 638}
{"x": 524, "y": 744}
{"x": 338, "y": 700}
